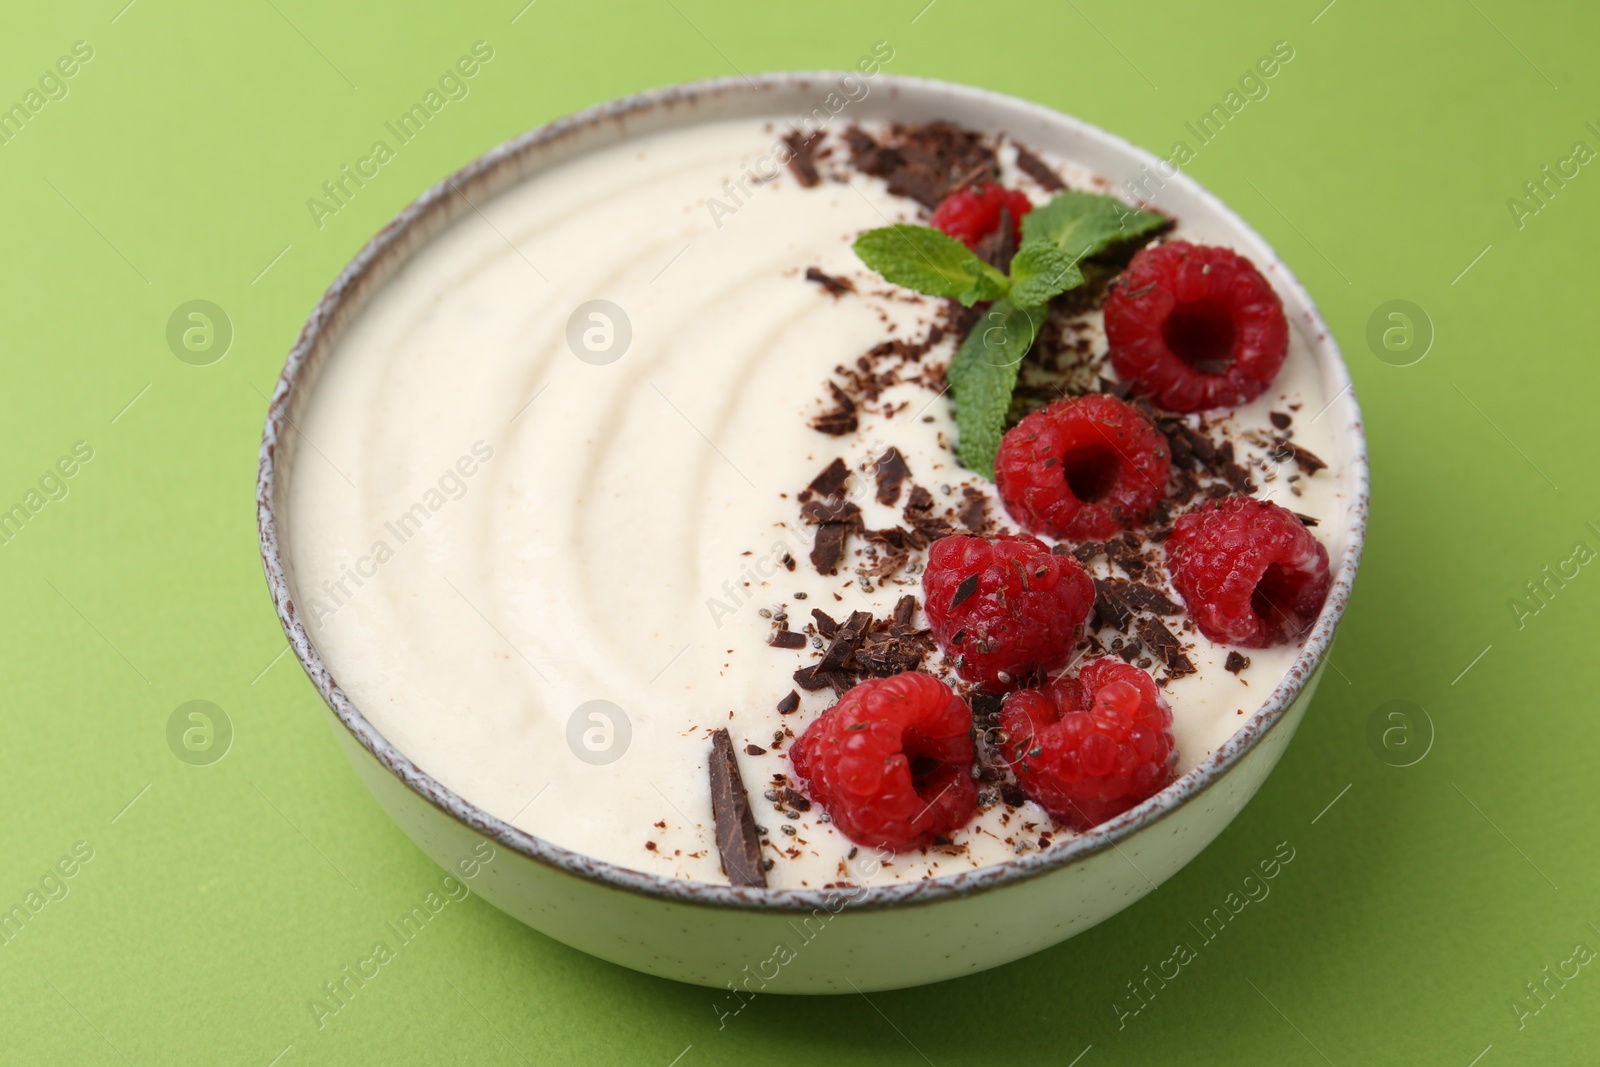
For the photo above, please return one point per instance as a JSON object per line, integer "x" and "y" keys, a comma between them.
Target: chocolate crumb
{"x": 737, "y": 839}
{"x": 789, "y": 703}
{"x": 834, "y": 286}
{"x": 1305, "y": 520}
{"x": 754, "y": 750}
{"x": 1280, "y": 419}
{"x": 1236, "y": 663}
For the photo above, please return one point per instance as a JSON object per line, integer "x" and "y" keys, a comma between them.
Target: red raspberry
{"x": 1004, "y": 610}
{"x": 892, "y": 761}
{"x": 1088, "y": 748}
{"x": 1082, "y": 468}
{"x": 971, "y": 214}
{"x": 1196, "y": 327}
{"x": 1249, "y": 571}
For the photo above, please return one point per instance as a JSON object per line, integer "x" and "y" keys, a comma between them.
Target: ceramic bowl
{"x": 802, "y": 940}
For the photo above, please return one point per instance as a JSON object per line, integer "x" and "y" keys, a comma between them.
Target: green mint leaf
{"x": 982, "y": 377}
{"x": 924, "y": 259}
{"x": 1086, "y": 224}
{"x": 1040, "y": 271}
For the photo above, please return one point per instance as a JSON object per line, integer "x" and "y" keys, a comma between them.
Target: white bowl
{"x": 805, "y": 940}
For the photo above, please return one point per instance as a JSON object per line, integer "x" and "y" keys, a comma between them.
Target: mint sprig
{"x": 1056, "y": 237}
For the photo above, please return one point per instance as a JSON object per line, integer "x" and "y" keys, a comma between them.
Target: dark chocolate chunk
{"x": 1110, "y": 607}
{"x": 998, "y": 246}
{"x": 831, "y": 480}
{"x": 737, "y": 840}
{"x": 1236, "y": 662}
{"x": 789, "y": 703}
{"x": 1038, "y": 170}
{"x": 813, "y": 678}
{"x": 796, "y": 799}
{"x": 1165, "y": 647}
{"x": 835, "y": 286}
{"x": 828, "y": 549}
{"x": 817, "y": 512}
{"x": 846, "y": 641}
{"x": 974, "y": 511}
{"x": 890, "y": 471}
{"x": 787, "y": 639}
{"x": 904, "y": 609}
{"x": 800, "y": 157}
{"x": 827, "y": 625}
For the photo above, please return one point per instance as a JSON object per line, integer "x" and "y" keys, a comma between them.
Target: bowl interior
{"x": 830, "y": 100}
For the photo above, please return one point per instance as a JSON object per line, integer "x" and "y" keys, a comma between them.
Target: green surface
{"x": 1380, "y": 164}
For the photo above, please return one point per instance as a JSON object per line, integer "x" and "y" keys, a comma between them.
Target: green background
{"x": 1417, "y": 905}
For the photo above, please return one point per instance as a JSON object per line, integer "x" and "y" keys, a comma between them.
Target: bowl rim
{"x": 390, "y": 241}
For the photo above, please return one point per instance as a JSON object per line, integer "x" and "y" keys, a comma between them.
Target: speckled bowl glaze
{"x": 795, "y": 940}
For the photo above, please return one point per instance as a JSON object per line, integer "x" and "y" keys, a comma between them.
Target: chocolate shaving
{"x": 737, "y": 840}
{"x": 834, "y": 286}
{"x": 1308, "y": 461}
{"x": 925, "y": 161}
{"x": 800, "y": 157}
{"x": 1165, "y": 647}
{"x": 890, "y": 472}
{"x": 1236, "y": 663}
{"x": 904, "y": 609}
{"x": 787, "y": 639}
{"x": 1305, "y": 520}
{"x": 842, "y": 419}
{"x": 968, "y": 586}
{"x": 1141, "y": 596}
{"x": 1039, "y": 170}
